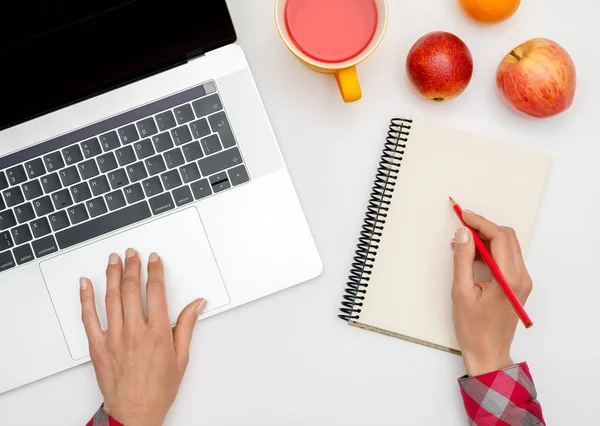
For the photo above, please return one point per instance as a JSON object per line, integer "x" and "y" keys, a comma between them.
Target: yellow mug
{"x": 345, "y": 72}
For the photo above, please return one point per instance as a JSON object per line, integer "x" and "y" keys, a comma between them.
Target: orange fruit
{"x": 490, "y": 11}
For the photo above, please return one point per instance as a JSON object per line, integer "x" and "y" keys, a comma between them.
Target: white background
{"x": 287, "y": 359}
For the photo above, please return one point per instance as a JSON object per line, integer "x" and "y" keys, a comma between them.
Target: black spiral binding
{"x": 372, "y": 229}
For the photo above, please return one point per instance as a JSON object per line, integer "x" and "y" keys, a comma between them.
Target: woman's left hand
{"x": 139, "y": 361}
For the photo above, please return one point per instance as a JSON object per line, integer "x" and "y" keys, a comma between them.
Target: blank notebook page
{"x": 411, "y": 280}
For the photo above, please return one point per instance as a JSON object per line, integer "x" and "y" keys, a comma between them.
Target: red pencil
{"x": 491, "y": 263}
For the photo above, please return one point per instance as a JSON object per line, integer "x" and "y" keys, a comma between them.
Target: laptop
{"x": 133, "y": 124}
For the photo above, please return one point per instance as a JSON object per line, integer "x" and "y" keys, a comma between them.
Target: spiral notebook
{"x": 401, "y": 277}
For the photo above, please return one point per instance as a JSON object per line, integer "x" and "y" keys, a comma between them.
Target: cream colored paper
{"x": 409, "y": 291}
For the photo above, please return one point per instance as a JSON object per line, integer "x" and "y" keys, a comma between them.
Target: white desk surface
{"x": 287, "y": 359}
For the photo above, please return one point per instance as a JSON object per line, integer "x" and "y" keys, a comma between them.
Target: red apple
{"x": 440, "y": 66}
{"x": 537, "y": 78}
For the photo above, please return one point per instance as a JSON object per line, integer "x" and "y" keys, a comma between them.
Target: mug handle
{"x": 347, "y": 80}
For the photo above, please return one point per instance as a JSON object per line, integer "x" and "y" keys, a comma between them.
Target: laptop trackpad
{"x": 190, "y": 272}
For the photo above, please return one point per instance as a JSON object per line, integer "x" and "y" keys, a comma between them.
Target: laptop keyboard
{"x": 114, "y": 173}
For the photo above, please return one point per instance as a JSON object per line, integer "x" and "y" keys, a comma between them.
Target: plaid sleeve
{"x": 505, "y": 397}
{"x": 102, "y": 419}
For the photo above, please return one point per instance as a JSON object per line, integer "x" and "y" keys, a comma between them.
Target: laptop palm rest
{"x": 191, "y": 272}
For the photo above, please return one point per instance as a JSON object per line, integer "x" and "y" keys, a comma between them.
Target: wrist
{"x": 479, "y": 365}
{"x": 137, "y": 416}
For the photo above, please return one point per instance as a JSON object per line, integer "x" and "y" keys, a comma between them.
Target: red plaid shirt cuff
{"x": 102, "y": 419}
{"x": 505, "y": 397}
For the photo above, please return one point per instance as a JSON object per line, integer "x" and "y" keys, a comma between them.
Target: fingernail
{"x": 129, "y": 253}
{"x": 453, "y": 240}
{"x": 83, "y": 283}
{"x": 468, "y": 211}
{"x": 462, "y": 235}
{"x": 113, "y": 259}
{"x": 153, "y": 258}
{"x": 200, "y": 307}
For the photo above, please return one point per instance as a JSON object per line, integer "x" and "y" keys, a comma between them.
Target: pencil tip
{"x": 452, "y": 201}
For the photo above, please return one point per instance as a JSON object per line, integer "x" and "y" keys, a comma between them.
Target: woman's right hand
{"x": 484, "y": 319}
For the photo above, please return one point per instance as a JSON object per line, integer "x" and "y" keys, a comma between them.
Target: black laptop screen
{"x": 55, "y": 53}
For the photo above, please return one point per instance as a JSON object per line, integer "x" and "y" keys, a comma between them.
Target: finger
{"x": 516, "y": 250}
{"x": 130, "y": 290}
{"x": 488, "y": 230}
{"x": 464, "y": 257}
{"x": 182, "y": 335}
{"x": 156, "y": 300}
{"x": 114, "y": 305}
{"x": 89, "y": 316}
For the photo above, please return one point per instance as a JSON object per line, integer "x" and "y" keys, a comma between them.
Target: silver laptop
{"x": 133, "y": 124}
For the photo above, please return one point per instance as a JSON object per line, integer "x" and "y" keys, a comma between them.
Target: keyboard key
{"x": 110, "y": 141}
{"x": 152, "y": 186}
{"x": 219, "y": 182}
{"x": 32, "y": 189}
{"x": 72, "y": 155}
{"x": 174, "y": 158}
{"x": 134, "y": 193}
{"x": 184, "y": 113}
{"x": 125, "y": 156}
{"x": 181, "y": 135}
{"x": 144, "y": 148}
{"x": 155, "y": 165}
{"x": 162, "y": 142}
{"x": 6, "y": 261}
{"x": 21, "y": 235}
{"x": 3, "y": 181}
{"x": 201, "y": 189}
{"x": 211, "y": 144}
{"x": 88, "y": 169}
{"x": 107, "y": 162}
{"x": 58, "y": 220}
{"x": 51, "y": 183}
{"x": 45, "y": 246}
{"x": 91, "y": 148}
{"x": 69, "y": 176}
{"x": 220, "y": 161}
{"x": 81, "y": 192}
{"x": 77, "y": 214}
{"x": 118, "y": 179}
{"x": 238, "y": 175}
{"x": 13, "y": 196}
{"x": 99, "y": 185}
{"x": 207, "y": 105}
{"x": 2, "y": 205}
{"x": 200, "y": 128}
{"x": 43, "y": 206}
{"x": 103, "y": 225}
{"x": 62, "y": 199}
{"x": 219, "y": 124}
{"x": 147, "y": 127}
{"x": 128, "y": 134}
{"x": 171, "y": 180}
{"x": 96, "y": 207}
{"x": 136, "y": 172}
{"x": 7, "y": 220}
{"x": 35, "y": 168}
{"x": 5, "y": 241}
{"x": 24, "y": 213}
{"x": 165, "y": 121}
{"x": 115, "y": 200}
{"x": 16, "y": 175}
{"x": 192, "y": 151}
{"x": 190, "y": 172}
{"x": 54, "y": 161}
{"x": 183, "y": 196}
{"x": 23, "y": 254}
{"x": 40, "y": 227}
{"x": 162, "y": 203}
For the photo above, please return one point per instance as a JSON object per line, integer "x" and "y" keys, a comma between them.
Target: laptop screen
{"x": 58, "y": 52}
